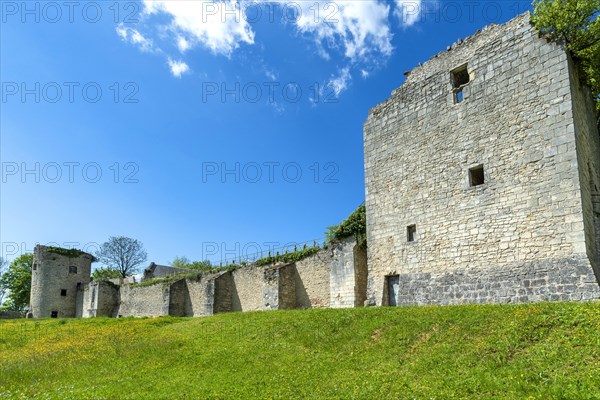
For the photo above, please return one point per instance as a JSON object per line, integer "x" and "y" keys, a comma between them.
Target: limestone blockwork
{"x": 484, "y": 198}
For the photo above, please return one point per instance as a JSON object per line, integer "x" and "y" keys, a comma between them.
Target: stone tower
{"x": 483, "y": 177}
{"x": 57, "y": 281}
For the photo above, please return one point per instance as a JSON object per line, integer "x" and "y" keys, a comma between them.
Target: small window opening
{"x": 411, "y": 232}
{"x": 53, "y": 314}
{"x": 476, "y": 176}
{"x": 72, "y": 270}
{"x": 460, "y": 78}
{"x": 34, "y": 266}
{"x": 63, "y": 292}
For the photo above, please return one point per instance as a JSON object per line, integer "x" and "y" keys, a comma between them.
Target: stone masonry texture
{"x": 56, "y": 283}
{"x": 530, "y": 231}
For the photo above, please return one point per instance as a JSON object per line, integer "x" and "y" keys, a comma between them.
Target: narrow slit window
{"x": 411, "y": 233}
{"x": 476, "y": 176}
{"x": 34, "y": 266}
{"x": 63, "y": 292}
{"x": 460, "y": 78}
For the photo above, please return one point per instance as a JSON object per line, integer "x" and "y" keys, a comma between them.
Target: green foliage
{"x": 2, "y": 288}
{"x": 17, "y": 279}
{"x": 355, "y": 225}
{"x": 535, "y": 351}
{"x": 71, "y": 253}
{"x": 184, "y": 262}
{"x": 122, "y": 254}
{"x": 574, "y": 23}
{"x": 102, "y": 274}
{"x": 287, "y": 257}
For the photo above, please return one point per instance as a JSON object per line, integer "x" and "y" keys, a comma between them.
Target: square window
{"x": 460, "y": 78}
{"x": 72, "y": 269}
{"x": 411, "y": 233}
{"x": 63, "y": 292}
{"x": 476, "y": 176}
{"x": 54, "y": 314}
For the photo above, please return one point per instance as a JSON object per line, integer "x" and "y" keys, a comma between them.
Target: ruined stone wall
{"x": 223, "y": 293}
{"x": 144, "y": 301}
{"x": 588, "y": 160}
{"x": 247, "y": 288}
{"x": 200, "y": 296}
{"x": 312, "y": 280}
{"x": 518, "y": 236}
{"x": 346, "y": 282}
{"x": 286, "y": 287}
{"x": 178, "y": 298}
{"x": 100, "y": 299}
{"x": 54, "y": 285}
{"x": 208, "y": 294}
{"x": 361, "y": 273}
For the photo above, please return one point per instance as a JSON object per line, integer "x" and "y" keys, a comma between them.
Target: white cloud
{"x": 364, "y": 73}
{"x": 134, "y": 37}
{"x": 178, "y": 68}
{"x": 182, "y": 44}
{"x": 359, "y": 27}
{"x": 218, "y": 26}
{"x": 408, "y": 11}
{"x": 340, "y": 83}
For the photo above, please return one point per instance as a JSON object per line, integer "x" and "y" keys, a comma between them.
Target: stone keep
{"x": 57, "y": 282}
{"x": 482, "y": 177}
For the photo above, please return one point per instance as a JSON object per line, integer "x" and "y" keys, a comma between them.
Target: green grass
{"x": 541, "y": 351}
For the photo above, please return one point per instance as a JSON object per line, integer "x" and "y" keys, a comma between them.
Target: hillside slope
{"x": 540, "y": 351}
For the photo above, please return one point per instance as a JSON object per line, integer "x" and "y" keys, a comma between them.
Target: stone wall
{"x": 312, "y": 280}
{"x": 223, "y": 293}
{"x": 100, "y": 299}
{"x": 208, "y": 294}
{"x": 517, "y": 237}
{"x": 55, "y": 282}
{"x": 361, "y": 274}
{"x": 304, "y": 284}
{"x": 348, "y": 274}
{"x": 179, "y": 297}
{"x": 144, "y": 301}
{"x": 588, "y": 160}
{"x": 247, "y": 289}
{"x": 286, "y": 287}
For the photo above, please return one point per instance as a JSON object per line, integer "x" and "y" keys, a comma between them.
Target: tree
{"x": 122, "y": 254}
{"x": 2, "y": 288}
{"x": 17, "y": 280}
{"x": 102, "y": 274}
{"x": 574, "y": 23}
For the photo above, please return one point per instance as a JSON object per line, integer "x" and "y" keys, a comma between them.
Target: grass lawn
{"x": 539, "y": 351}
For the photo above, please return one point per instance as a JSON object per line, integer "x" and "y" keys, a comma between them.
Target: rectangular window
{"x": 476, "y": 176}
{"x": 34, "y": 266}
{"x": 63, "y": 292}
{"x": 460, "y": 78}
{"x": 72, "y": 270}
{"x": 411, "y": 233}
{"x": 54, "y": 314}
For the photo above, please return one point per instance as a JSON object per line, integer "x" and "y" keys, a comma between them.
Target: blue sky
{"x": 206, "y": 130}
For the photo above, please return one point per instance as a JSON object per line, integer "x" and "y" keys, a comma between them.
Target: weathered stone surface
{"x": 529, "y": 232}
{"x": 144, "y": 301}
{"x": 312, "y": 280}
{"x": 52, "y": 276}
{"x": 348, "y": 274}
{"x": 100, "y": 299}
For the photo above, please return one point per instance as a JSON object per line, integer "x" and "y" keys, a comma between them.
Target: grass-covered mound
{"x": 541, "y": 351}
